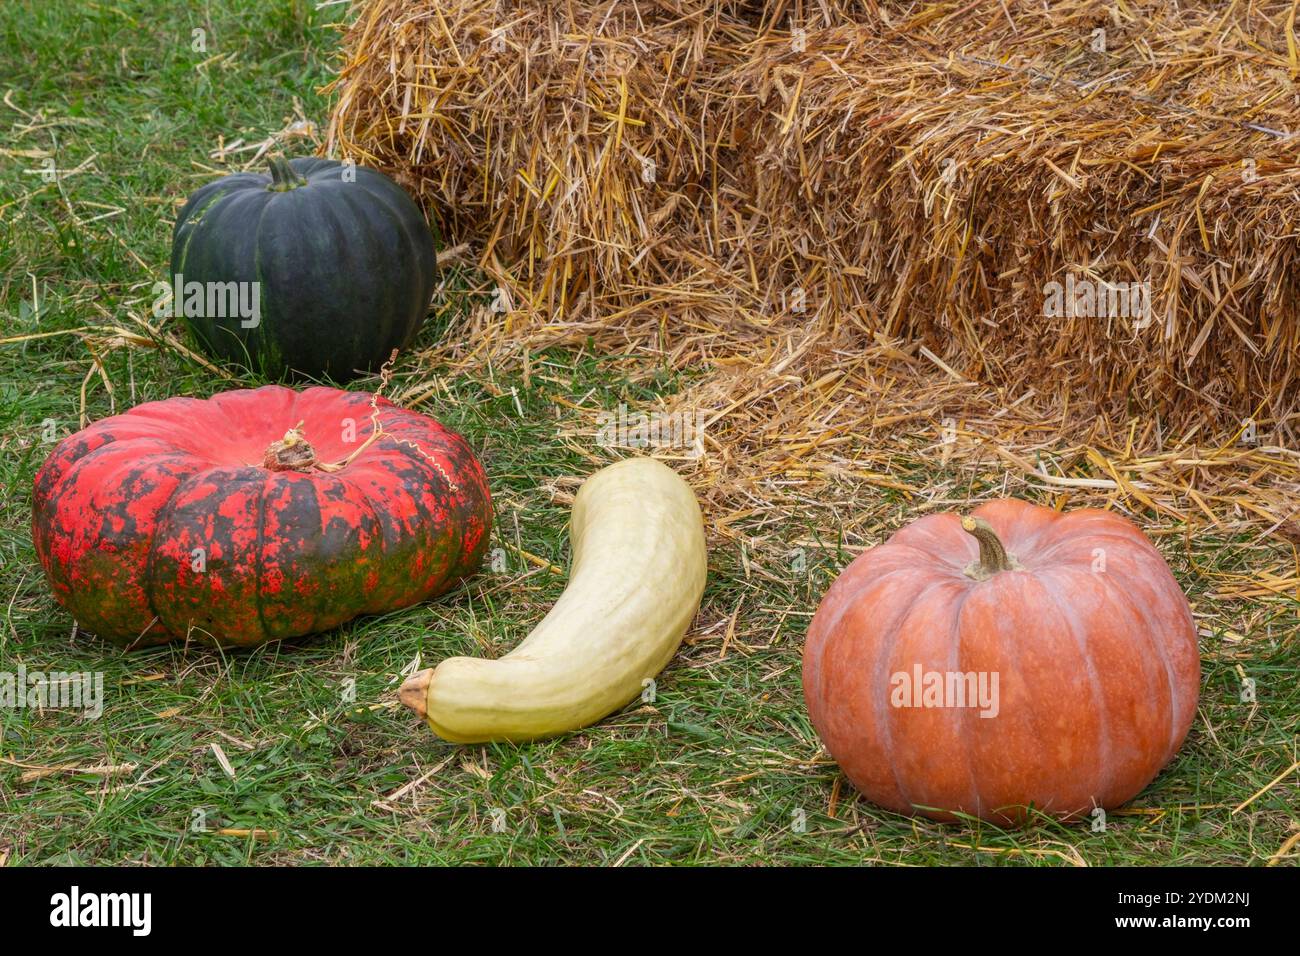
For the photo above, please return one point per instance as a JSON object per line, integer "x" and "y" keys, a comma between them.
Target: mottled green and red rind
{"x": 121, "y": 507}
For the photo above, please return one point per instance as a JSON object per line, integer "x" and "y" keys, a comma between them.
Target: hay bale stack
{"x": 706, "y": 178}
{"x": 950, "y": 185}
{"x": 534, "y": 133}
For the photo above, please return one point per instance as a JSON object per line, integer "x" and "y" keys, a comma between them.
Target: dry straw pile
{"x": 852, "y": 214}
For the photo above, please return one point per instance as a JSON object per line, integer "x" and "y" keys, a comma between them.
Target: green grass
{"x": 716, "y": 771}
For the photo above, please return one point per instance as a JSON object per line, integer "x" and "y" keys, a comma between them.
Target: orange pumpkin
{"x": 1016, "y": 658}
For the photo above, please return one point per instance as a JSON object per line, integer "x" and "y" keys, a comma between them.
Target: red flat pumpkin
{"x": 1073, "y": 622}
{"x": 256, "y": 515}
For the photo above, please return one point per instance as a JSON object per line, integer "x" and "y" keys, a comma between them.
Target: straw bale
{"x": 842, "y": 208}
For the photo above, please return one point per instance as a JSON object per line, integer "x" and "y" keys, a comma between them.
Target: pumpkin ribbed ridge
{"x": 156, "y": 525}
{"x": 346, "y": 268}
{"x": 1114, "y": 640}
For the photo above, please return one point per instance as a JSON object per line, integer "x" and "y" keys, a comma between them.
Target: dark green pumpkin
{"x": 344, "y": 261}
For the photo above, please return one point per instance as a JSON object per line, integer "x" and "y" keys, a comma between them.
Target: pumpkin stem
{"x": 993, "y": 555}
{"x": 291, "y": 453}
{"x": 283, "y": 176}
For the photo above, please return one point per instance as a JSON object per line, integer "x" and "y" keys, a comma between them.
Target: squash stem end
{"x": 414, "y": 693}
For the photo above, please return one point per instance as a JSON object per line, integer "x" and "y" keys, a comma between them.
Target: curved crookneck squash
{"x": 638, "y": 573}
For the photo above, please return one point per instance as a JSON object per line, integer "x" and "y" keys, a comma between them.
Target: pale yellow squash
{"x": 637, "y": 577}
